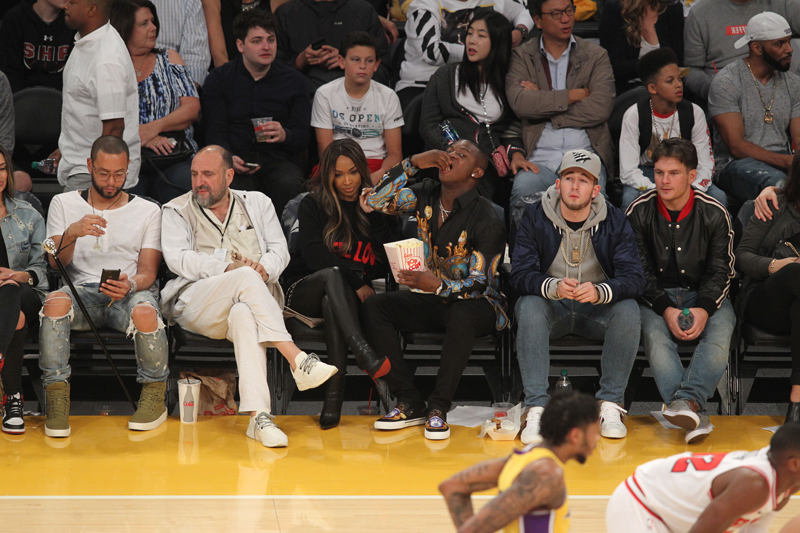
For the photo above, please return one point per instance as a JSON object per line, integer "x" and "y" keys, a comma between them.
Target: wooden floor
{"x": 210, "y": 477}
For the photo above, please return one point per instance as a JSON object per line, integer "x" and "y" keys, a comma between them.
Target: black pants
{"x": 281, "y": 180}
{"x": 386, "y": 315}
{"x": 775, "y": 307}
{"x": 327, "y": 294}
{"x": 14, "y": 299}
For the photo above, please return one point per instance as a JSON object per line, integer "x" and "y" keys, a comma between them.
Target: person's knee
{"x": 57, "y": 305}
{"x": 626, "y": 312}
{"x": 145, "y": 318}
{"x": 530, "y": 309}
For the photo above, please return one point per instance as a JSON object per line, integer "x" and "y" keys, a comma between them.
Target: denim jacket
{"x": 23, "y": 232}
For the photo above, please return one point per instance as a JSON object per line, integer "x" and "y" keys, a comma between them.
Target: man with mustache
{"x": 228, "y": 251}
{"x": 753, "y": 103}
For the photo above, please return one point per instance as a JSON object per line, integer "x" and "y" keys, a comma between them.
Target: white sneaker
{"x": 611, "y": 425}
{"x": 530, "y": 435}
{"x": 703, "y": 428}
{"x": 310, "y": 372}
{"x": 262, "y": 428}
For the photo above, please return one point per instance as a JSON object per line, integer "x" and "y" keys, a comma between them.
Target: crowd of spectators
{"x": 207, "y": 107}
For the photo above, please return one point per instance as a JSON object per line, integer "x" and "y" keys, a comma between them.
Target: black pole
{"x": 50, "y": 248}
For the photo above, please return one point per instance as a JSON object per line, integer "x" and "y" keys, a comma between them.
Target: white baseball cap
{"x": 766, "y": 26}
{"x": 582, "y": 159}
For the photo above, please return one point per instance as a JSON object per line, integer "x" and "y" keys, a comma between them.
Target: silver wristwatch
{"x": 134, "y": 287}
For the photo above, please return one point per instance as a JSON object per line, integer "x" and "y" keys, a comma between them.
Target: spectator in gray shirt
{"x": 712, "y": 28}
{"x": 753, "y": 103}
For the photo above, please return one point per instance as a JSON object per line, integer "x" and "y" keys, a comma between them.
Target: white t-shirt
{"x": 99, "y": 84}
{"x": 493, "y": 109}
{"x": 363, "y": 120}
{"x": 130, "y": 229}
{"x": 630, "y": 159}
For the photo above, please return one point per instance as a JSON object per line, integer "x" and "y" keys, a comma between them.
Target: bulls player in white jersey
{"x": 709, "y": 492}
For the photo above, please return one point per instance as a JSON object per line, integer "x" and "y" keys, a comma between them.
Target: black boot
{"x": 383, "y": 393}
{"x": 334, "y": 391}
{"x": 366, "y": 358}
{"x": 793, "y": 414}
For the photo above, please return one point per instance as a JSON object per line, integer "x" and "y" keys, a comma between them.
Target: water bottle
{"x": 448, "y": 132}
{"x": 47, "y": 166}
{"x": 686, "y": 320}
{"x": 189, "y": 406}
{"x": 563, "y": 384}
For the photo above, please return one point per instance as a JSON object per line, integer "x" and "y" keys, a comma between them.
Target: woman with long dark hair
{"x": 769, "y": 257}
{"x": 23, "y": 283}
{"x": 340, "y": 252}
{"x": 471, "y": 95}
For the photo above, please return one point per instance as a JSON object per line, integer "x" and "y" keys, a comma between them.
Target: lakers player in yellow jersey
{"x": 533, "y": 496}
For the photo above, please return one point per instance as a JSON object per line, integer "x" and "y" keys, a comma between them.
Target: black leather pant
{"x": 13, "y": 299}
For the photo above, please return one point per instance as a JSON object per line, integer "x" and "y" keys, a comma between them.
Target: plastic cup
{"x": 189, "y": 397}
{"x": 501, "y": 409}
{"x": 258, "y": 125}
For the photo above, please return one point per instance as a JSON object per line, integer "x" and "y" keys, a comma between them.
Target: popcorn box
{"x": 408, "y": 254}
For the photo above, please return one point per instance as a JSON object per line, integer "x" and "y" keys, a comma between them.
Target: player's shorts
{"x": 625, "y": 514}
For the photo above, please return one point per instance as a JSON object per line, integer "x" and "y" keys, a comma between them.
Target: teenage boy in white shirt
{"x": 668, "y": 116}
{"x": 358, "y": 108}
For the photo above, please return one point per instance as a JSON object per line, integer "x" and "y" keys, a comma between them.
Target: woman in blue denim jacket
{"x": 23, "y": 283}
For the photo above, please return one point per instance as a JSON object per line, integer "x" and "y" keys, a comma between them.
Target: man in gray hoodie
{"x": 578, "y": 270}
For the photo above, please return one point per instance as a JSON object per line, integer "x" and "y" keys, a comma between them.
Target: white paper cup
{"x": 189, "y": 398}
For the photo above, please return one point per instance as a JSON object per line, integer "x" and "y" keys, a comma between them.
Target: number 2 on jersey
{"x": 700, "y": 461}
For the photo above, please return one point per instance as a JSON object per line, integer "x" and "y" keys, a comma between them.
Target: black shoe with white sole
{"x": 402, "y": 416}
{"x": 12, "y": 418}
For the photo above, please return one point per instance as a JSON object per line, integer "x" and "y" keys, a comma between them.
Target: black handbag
{"x": 787, "y": 248}
{"x": 182, "y": 151}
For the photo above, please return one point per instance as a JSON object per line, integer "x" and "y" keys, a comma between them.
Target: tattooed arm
{"x": 457, "y": 490}
{"x": 539, "y": 486}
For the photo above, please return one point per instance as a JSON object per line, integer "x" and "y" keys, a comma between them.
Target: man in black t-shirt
{"x": 685, "y": 241}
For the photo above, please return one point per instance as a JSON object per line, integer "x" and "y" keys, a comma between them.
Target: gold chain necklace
{"x": 768, "y": 116}
{"x": 577, "y": 256}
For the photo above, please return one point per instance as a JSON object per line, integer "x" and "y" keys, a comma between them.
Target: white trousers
{"x": 237, "y": 306}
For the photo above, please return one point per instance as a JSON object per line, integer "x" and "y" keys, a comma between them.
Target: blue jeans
{"x": 629, "y": 194}
{"x": 528, "y": 183}
{"x": 710, "y": 358}
{"x": 539, "y": 320}
{"x": 746, "y": 178}
{"x": 151, "y": 348}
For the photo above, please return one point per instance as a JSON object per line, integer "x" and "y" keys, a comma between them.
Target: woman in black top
{"x": 631, "y": 28}
{"x": 22, "y": 267}
{"x": 471, "y": 95}
{"x": 341, "y": 251}
{"x": 768, "y": 257}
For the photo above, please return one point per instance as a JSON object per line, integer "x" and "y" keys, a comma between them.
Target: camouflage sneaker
{"x": 151, "y": 412}
{"x": 57, "y": 407}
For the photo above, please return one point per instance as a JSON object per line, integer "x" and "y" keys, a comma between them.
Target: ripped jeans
{"x": 151, "y": 348}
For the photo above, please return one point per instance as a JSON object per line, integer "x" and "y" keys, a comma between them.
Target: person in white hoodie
{"x": 228, "y": 251}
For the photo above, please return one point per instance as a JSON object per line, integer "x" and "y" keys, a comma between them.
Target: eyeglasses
{"x": 558, "y": 13}
{"x": 117, "y": 177}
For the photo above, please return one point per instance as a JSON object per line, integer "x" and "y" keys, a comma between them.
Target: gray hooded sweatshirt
{"x": 589, "y": 268}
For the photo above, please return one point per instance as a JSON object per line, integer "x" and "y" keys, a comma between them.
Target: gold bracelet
{"x": 772, "y": 267}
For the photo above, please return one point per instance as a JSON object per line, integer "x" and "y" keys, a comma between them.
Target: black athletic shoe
{"x": 12, "y": 419}
{"x": 402, "y": 416}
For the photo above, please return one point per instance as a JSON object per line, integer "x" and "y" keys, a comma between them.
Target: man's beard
{"x": 774, "y": 63}
{"x": 99, "y": 190}
{"x": 211, "y": 199}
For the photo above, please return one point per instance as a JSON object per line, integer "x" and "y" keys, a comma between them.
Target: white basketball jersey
{"x": 677, "y": 489}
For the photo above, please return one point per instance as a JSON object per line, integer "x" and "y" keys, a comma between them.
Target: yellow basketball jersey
{"x": 553, "y": 521}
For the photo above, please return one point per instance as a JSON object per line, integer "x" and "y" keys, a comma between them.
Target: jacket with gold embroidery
{"x": 465, "y": 251}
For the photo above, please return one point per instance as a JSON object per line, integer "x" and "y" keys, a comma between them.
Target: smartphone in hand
{"x": 107, "y": 275}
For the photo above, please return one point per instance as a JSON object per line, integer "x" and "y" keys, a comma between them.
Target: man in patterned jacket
{"x": 458, "y": 292}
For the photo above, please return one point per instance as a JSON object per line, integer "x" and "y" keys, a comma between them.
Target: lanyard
{"x": 216, "y": 226}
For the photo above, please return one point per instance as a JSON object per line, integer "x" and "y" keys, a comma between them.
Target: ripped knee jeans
{"x": 151, "y": 348}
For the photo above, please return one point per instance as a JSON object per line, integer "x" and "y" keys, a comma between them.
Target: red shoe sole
{"x": 384, "y": 369}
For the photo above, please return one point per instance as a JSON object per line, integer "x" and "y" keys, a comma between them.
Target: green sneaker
{"x": 57, "y": 406}
{"x": 151, "y": 412}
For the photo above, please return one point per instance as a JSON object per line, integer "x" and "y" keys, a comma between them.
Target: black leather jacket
{"x": 703, "y": 242}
